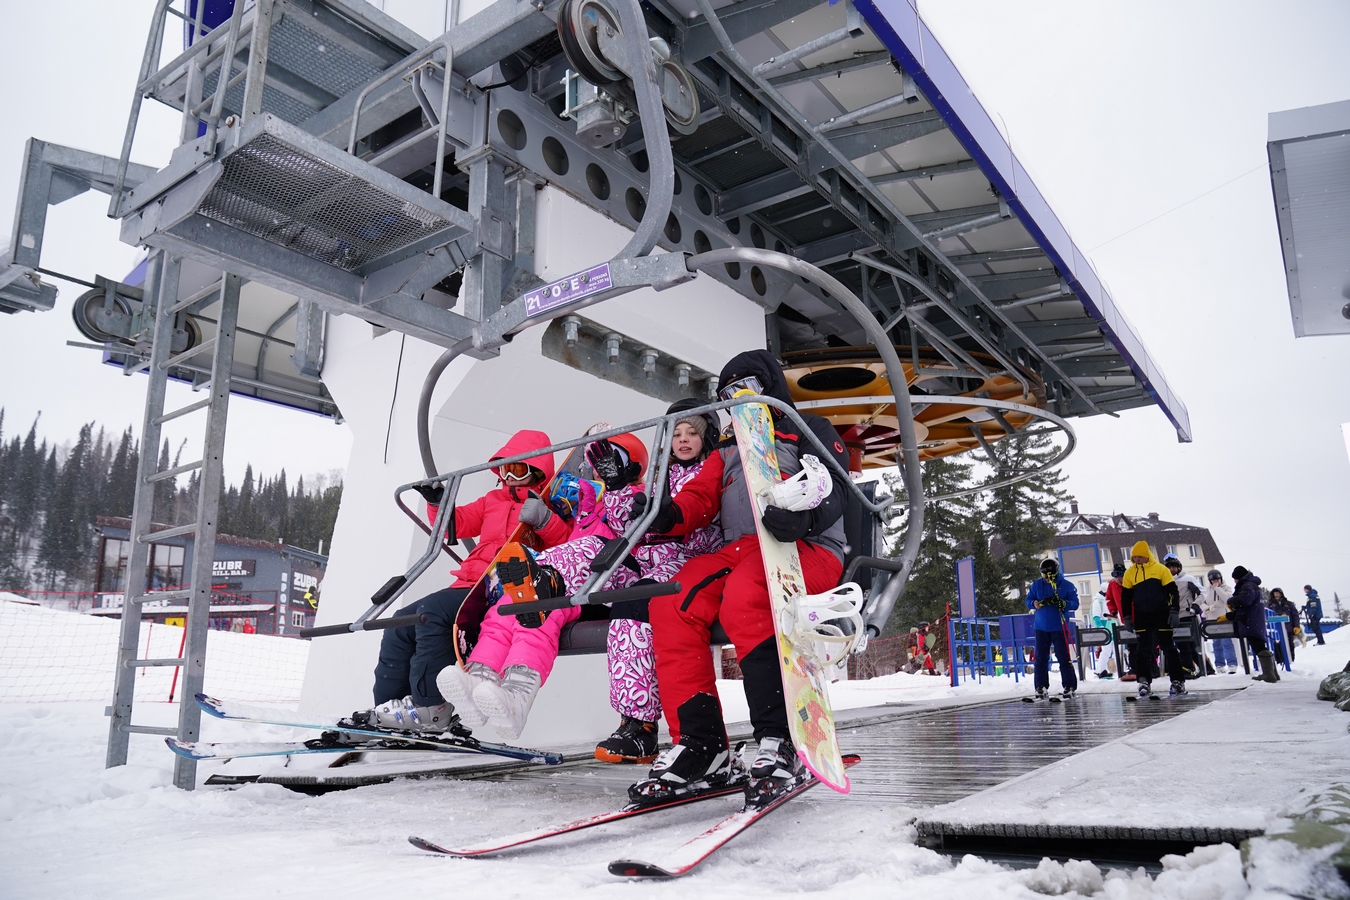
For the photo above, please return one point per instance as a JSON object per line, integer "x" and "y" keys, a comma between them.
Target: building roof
{"x": 1114, "y": 531}
{"x": 234, "y": 540}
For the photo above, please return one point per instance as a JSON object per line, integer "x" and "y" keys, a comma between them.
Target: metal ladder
{"x": 162, "y": 285}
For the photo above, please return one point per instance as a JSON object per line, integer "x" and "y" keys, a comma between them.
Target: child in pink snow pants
{"x": 511, "y": 661}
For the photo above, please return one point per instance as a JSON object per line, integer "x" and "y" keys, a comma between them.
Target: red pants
{"x": 729, "y": 586}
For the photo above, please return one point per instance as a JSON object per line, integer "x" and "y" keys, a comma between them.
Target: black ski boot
{"x": 687, "y": 768}
{"x": 634, "y": 741}
{"x": 776, "y": 770}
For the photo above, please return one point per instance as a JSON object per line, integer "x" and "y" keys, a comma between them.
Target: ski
{"x": 684, "y": 858}
{"x": 457, "y": 742}
{"x": 528, "y": 837}
{"x": 329, "y": 742}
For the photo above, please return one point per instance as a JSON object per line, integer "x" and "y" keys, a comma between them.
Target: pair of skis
{"x": 342, "y": 736}
{"x": 679, "y": 861}
{"x": 1053, "y": 698}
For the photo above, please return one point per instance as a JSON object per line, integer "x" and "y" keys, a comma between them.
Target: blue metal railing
{"x": 994, "y": 646}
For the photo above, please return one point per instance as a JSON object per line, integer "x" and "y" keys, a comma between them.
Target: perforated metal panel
{"x": 274, "y": 191}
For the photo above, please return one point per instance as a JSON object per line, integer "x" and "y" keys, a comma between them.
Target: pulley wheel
{"x": 579, "y": 26}
{"x": 675, "y": 78}
{"x": 86, "y": 310}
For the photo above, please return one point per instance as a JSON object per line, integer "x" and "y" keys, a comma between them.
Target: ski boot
{"x": 1178, "y": 689}
{"x": 405, "y": 715}
{"x": 777, "y": 769}
{"x": 458, "y": 686}
{"x": 1145, "y": 690}
{"x": 634, "y": 741}
{"x": 515, "y": 577}
{"x": 685, "y": 769}
{"x": 1041, "y": 694}
{"x": 1069, "y": 693}
{"x": 507, "y": 704}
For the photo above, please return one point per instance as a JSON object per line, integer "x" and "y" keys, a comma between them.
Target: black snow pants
{"x": 412, "y": 656}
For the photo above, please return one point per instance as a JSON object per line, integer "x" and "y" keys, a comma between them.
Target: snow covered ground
{"x": 70, "y": 828}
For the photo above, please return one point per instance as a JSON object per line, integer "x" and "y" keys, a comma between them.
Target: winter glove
{"x": 611, "y": 465}
{"x": 667, "y": 517}
{"x": 1128, "y": 624}
{"x": 785, "y": 525}
{"x": 1060, "y": 604}
{"x": 535, "y": 513}
{"x": 432, "y": 493}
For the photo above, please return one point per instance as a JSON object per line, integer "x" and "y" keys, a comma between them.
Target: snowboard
{"x": 805, "y": 686}
{"x": 469, "y": 620}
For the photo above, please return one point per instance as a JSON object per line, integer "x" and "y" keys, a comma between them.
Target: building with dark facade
{"x": 256, "y": 586}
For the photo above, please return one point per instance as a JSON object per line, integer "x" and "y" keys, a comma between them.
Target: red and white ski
{"x": 684, "y": 858}
{"x": 539, "y": 834}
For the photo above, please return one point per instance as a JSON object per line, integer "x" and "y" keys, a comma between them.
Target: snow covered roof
{"x": 1114, "y": 531}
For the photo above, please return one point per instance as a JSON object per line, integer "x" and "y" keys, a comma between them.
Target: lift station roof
{"x": 841, "y": 133}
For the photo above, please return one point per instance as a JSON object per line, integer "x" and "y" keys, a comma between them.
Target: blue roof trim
{"x": 902, "y": 30}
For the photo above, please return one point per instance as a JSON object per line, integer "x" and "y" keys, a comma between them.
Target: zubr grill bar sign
{"x": 233, "y": 568}
{"x": 569, "y": 290}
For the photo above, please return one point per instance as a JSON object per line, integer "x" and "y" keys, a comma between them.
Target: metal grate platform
{"x": 286, "y": 193}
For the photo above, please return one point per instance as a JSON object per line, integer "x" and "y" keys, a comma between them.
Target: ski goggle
{"x": 748, "y": 383}
{"x": 515, "y": 473}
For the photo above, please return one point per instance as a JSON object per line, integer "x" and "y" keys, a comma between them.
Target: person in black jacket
{"x": 1248, "y": 615}
{"x": 1281, "y": 605}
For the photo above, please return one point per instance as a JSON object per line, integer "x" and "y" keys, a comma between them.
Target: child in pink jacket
{"x": 511, "y": 661}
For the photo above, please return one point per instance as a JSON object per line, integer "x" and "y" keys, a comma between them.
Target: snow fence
{"x": 49, "y": 656}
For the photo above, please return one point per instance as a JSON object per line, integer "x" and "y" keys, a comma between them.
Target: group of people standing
{"x": 704, "y": 536}
{"x": 1172, "y": 599}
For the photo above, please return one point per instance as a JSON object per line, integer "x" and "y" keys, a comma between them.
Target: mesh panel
{"x": 277, "y": 193}
{"x": 333, "y": 68}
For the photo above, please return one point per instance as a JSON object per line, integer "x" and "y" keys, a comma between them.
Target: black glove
{"x": 610, "y": 467}
{"x": 535, "y": 513}
{"x": 667, "y": 517}
{"x": 785, "y": 525}
{"x": 1127, "y": 623}
{"x": 1060, "y": 603}
{"x": 432, "y": 493}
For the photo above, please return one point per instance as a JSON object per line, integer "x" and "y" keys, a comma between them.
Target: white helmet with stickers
{"x": 833, "y": 622}
{"x": 803, "y": 491}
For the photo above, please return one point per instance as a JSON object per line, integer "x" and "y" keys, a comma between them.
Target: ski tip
{"x": 424, "y": 844}
{"x": 632, "y": 868}
{"x": 182, "y": 748}
{"x": 209, "y": 705}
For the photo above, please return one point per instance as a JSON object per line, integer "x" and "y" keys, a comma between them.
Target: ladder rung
{"x": 174, "y": 472}
{"x": 187, "y": 354}
{"x": 166, "y": 534}
{"x": 138, "y": 663}
{"x": 148, "y": 729}
{"x": 163, "y": 595}
{"x": 201, "y": 295}
{"x": 183, "y": 411}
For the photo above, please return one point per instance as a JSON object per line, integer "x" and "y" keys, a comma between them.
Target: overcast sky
{"x": 1143, "y": 123}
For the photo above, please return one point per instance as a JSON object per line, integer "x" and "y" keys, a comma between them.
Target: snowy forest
{"x": 51, "y": 493}
{"x": 1006, "y": 529}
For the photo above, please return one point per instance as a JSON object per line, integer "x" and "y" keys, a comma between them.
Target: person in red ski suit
{"x": 729, "y": 586}
{"x": 406, "y": 695}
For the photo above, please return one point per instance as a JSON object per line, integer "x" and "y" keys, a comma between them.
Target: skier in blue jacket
{"x": 1053, "y": 598}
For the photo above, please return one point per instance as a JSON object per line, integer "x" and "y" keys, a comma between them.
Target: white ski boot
{"x": 458, "y": 686}
{"x": 404, "y": 715}
{"x": 507, "y": 704}
{"x": 777, "y": 769}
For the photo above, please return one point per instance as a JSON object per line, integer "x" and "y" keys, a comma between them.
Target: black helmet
{"x": 1213, "y": 574}
{"x": 714, "y": 427}
{"x": 1118, "y": 570}
{"x": 1171, "y": 560}
{"x": 1049, "y": 567}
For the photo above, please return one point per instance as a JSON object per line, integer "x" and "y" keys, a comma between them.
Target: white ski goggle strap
{"x": 748, "y": 383}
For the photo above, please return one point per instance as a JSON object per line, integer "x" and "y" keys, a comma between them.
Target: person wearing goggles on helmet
{"x": 406, "y": 694}
{"x": 1053, "y": 597}
{"x": 729, "y": 586}
{"x": 1214, "y": 607}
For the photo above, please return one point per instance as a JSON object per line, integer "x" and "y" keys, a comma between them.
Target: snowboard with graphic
{"x": 805, "y": 686}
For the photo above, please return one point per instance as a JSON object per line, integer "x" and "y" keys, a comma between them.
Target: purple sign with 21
{"x": 568, "y": 290}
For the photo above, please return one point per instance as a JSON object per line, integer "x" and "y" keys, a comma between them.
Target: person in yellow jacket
{"x": 1149, "y": 599}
